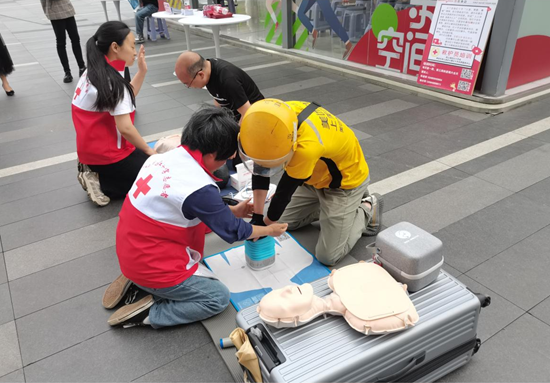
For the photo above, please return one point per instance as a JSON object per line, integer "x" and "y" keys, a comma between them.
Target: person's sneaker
{"x": 116, "y": 291}
{"x": 68, "y": 78}
{"x": 134, "y": 294}
{"x": 132, "y": 315}
{"x": 81, "y": 169}
{"x": 377, "y": 208}
{"x": 140, "y": 40}
{"x": 81, "y": 71}
{"x": 92, "y": 187}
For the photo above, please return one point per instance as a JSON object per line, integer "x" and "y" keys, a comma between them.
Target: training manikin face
{"x": 370, "y": 300}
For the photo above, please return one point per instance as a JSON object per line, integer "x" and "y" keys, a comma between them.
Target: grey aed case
{"x": 411, "y": 255}
{"x": 329, "y": 350}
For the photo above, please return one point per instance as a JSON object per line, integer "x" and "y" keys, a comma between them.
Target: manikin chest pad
{"x": 370, "y": 300}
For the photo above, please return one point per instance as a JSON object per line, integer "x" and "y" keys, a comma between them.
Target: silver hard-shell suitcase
{"x": 329, "y": 350}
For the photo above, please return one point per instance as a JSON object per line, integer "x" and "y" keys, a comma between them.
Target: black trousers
{"x": 69, "y": 25}
{"x": 117, "y": 179}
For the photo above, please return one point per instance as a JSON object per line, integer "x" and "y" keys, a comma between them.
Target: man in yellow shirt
{"x": 325, "y": 174}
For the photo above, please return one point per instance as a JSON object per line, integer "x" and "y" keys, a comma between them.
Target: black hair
{"x": 212, "y": 130}
{"x": 194, "y": 68}
{"x": 109, "y": 83}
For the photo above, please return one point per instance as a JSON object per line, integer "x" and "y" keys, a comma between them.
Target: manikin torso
{"x": 369, "y": 299}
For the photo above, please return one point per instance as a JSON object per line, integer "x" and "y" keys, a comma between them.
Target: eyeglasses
{"x": 194, "y": 77}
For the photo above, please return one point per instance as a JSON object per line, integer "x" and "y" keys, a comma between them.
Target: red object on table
{"x": 216, "y": 12}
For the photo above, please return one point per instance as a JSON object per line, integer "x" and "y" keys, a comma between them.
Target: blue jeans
{"x": 194, "y": 299}
{"x": 141, "y": 14}
{"x": 328, "y": 14}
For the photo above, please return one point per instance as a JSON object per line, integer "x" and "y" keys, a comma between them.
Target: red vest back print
{"x": 157, "y": 246}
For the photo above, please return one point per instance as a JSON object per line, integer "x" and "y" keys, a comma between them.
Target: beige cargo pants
{"x": 342, "y": 216}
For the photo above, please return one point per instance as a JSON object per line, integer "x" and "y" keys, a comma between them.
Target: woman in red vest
{"x": 103, "y": 115}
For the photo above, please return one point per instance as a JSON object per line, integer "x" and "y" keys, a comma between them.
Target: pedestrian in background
{"x": 6, "y": 67}
{"x": 61, "y": 15}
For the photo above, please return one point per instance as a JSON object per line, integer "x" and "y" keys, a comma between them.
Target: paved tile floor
{"x": 491, "y": 209}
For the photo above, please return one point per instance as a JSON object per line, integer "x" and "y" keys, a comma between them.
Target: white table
{"x": 201, "y": 21}
{"x": 117, "y": 7}
{"x": 167, "y": 15}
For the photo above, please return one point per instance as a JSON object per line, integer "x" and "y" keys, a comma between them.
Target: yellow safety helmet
{"x": 267, "y": 138}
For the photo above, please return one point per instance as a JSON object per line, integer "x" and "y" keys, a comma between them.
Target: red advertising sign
{"x": 456, "y": 44}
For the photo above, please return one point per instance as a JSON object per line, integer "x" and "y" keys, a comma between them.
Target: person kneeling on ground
{"x": 107, "y": 142}
{"x": 160, "y": 234}
{"x": 325, "y": 175}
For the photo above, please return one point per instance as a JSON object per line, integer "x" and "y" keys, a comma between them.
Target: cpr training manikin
{"x": 368, "y": 298}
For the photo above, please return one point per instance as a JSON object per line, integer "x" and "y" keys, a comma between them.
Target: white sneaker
{"x": 377, "y": 208}
{"x": 140, "y": 40}
{"x": 91, "y": 185}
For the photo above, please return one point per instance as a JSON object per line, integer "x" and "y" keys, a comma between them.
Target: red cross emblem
{"x": 78, "y": 91}
{"x": 142, "y": 186}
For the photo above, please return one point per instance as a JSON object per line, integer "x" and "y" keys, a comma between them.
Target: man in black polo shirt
{"x": 229, "y": 85}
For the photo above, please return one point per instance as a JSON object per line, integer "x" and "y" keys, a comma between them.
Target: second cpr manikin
{"x": 369, "y": 299}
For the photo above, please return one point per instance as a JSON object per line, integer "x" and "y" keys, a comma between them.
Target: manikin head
{"x": 288, "y": 302}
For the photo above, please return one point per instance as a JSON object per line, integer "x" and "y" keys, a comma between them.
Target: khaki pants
{"x": 342, "y": 216}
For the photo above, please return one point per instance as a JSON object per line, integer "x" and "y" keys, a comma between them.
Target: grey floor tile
{"x": 538, "y": 193}
{"x": 372, "y": 112}
{"x": 474, "y": 116}
{"x": 29, "y": 175}
{"x": 542, "y": 311}
{"x": 324, "y": 95}
{"x": 9, "y": 352}
{"x": 438, "y": 125}
{"x": 392, "y": 163}
{"x": 147, "y": 108}
{"x": 348, "y": 105}
{"x": 375, "y": 146}
{"x": 53, "y": 329}
{"x": 437, "y": 210}
{"x": 543, "y": 137}
{"x": 67, "y": 280}
{"x": 6, "y": 310}
{"x": 41, "y": 204}
{"x": 480, "y": 236}
{"x": 519, "y": 353}
{"x": 62, "y": 248}
{"x": 3, "y": 274}
{"x": 55, "y": 223}
{"x": 373, "y": 88}
{"x": 499, "y": 156}
{"x": 14, "y": 377}
{"x": 37, "y": 154}
{"x": 30, "y": 139}
{"x": 307, "y": 69}
{"x": 404, "y": 118}
{"x": 44, "y": 121}
{"x": 295, "y": 85}
{"x": 159, "y": 116}
{"x": 525, "y": 174}
{"x": 17, "y": 114}
{"x": 451, "y": 270}
{"x": 508, "y": 273}
{"x": 421, "y": 188}
{"x": 360, "y": 135}
{"x": 495, "y": 317}
{"x": 119, "y": 355}
{"x": 202, "y": 365}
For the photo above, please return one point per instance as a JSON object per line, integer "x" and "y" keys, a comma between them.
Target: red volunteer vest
{"x": 98, "y": 141}
{"x": 157, "y": 246}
